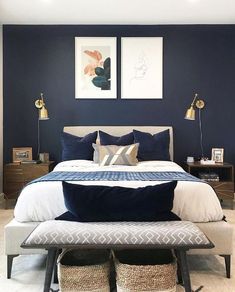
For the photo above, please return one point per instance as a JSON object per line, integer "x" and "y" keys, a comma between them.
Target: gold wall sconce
{"x": 41, "y": 106}
{"x": 190, "y": 115}
{"x": 199, "y": 103}
{"x": 42, "y": 116}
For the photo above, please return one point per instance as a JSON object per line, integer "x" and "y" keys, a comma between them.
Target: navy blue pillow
{"x": 104, "y": 203}
{"x": 107, "y": 139}
{"x": 74, "y": 147}
{"x": 152, "y": 147}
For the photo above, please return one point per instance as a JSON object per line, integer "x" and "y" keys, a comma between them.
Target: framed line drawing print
{"x": 95, "y": 67}
{"x": 141, "y": 67}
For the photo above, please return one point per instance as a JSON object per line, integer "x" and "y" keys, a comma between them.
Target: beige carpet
{"x": 28, "y": 271}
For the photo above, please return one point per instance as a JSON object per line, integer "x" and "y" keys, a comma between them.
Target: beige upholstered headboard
{"x": 120, "y": 130}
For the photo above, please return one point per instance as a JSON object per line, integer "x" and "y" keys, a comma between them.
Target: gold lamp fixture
{"x": 190, "y": 115}
{"x": 42, "y": 116}
{"x": 199, "y": 103}
{"x": 42, "y": 111}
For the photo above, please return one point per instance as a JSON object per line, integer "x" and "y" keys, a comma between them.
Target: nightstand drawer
{"x": 13, "y": 174}
{"x": 30, "y": 173}
{"x": 16, "y": 176}
{"x": 224, "y": 172}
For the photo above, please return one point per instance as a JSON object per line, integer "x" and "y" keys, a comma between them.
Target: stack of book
{"x": 209, "y": 176}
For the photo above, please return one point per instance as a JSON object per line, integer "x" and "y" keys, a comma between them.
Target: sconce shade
{"x": 190, "y": 114}
{"x": 43, "y": 114}
{"x": 42, "y": 111}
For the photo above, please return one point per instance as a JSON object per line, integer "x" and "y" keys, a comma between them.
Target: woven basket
{"x": 147, "y": 277}
{"x": 83, "y": 270}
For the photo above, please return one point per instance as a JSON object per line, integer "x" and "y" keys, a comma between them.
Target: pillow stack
{"x": 96, "y": 203}
{"x": 125, "y": 150}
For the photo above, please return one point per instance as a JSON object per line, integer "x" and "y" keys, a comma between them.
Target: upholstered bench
{"x": 178, "y": 235}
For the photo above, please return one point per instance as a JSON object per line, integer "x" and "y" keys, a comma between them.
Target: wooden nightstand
{"x": 224, "y": 188}
{"x": 16, "y": 176}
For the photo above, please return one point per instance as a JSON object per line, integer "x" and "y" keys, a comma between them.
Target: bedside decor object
{"x": 95, "y": 67}
{"x": 21, "y": 154}
{"x": 190, "y": 115}
{"x": 217, "y": 155}
{"x": 44, "y": 157}
{"x": 190, "y": 159}
{"x": 42, "y": 116}
{"x": 207, "y": 161}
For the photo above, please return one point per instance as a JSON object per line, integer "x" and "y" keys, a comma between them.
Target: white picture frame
{"x": 92, "y": 53}
{"x": 142, "y": 67}
{"x": 217, "y": 155}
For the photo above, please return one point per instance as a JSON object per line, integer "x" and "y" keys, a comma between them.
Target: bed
{"x": 194, "y": 201}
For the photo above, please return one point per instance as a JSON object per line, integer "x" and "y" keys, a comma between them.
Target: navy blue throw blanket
{"x": 116, "y": 176}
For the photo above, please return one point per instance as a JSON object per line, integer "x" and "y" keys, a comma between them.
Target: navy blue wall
{"x": 196, "y": 59}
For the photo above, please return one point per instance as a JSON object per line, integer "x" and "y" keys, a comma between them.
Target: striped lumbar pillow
{"x": 113, "y": 154}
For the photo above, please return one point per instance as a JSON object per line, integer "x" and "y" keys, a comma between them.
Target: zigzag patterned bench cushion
{"x": 155, "y": 234}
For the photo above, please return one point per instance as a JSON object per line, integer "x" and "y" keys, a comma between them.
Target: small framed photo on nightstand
{"x": 217, "y": 155}
{"x": 21, "y": 154}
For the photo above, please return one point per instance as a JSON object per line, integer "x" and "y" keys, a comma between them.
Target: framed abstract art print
{"x": 95, "y": 67}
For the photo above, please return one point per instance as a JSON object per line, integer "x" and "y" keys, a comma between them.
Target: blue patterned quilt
{"x": 116, "y": 176}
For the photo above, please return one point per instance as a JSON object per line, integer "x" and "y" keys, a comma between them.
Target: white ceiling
{"x": 117, "y": 11}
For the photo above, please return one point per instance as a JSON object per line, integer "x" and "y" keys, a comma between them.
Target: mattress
{"x": 193, "y": 201}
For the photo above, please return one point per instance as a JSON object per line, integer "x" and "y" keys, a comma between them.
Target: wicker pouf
{"x": 145, "y": 270}
{"x": 84, "y": 270}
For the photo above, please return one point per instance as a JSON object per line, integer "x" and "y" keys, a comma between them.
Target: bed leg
{"x": 227, "y": 259}
{"x": 9, "y": 264}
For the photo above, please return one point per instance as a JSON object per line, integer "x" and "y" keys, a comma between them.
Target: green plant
{"x": 102, "y": 79}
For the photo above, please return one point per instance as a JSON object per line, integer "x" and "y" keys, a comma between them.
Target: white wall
{"x": 1, "y": 107}
{"x": 117, "y": 12}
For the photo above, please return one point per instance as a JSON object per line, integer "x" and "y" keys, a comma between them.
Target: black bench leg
{"x": 51, "y": 257}
{"x": 9, "y": 264}
{"x": 184, "y": 270}
{"x": 227, "y": 259}
{"x": 179, "y": 275}
{"x": 55, "y": 280}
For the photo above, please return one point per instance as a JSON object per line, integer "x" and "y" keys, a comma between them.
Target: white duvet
{"x": 193, "y": 201}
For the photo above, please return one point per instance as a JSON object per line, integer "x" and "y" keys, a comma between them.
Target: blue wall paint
{"x": 196, "y": 59}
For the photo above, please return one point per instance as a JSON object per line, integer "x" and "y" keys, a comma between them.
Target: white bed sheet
{"x": 193, "y": 201}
